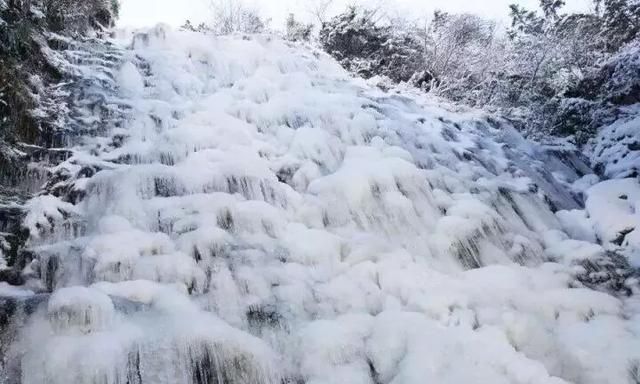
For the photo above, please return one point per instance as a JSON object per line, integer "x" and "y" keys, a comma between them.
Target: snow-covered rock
{"x": 617, "y": 148}
{"x": 614, "y": 209}
{"x": 81, "y": 308}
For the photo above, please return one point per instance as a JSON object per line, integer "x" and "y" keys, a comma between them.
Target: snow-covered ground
{"x": 261, "y": 217}
{"x": 616, "y": 150}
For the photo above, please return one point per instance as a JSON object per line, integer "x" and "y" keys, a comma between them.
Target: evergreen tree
{"x": 620, "y": 22}
{"x": 368, "y": 48}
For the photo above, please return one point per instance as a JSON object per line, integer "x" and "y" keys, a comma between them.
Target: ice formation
{"x": 257, "y": 216}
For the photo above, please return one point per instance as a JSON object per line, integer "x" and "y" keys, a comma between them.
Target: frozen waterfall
{"x": 246, "y": 212}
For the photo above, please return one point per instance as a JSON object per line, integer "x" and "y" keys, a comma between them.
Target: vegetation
{"x": 552, "y": 73}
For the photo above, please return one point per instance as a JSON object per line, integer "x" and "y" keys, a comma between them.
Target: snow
{"x": 614, "y": 207}
{"x": 37, "y": 13}
{"x": 82, "y": 308}
{"x": 130, "y": 80}
{"x": 578, "y": 225}
{"x": 43, "y": 212}
{"x": 617, "y": 147}
{"x": 266, "y": 218}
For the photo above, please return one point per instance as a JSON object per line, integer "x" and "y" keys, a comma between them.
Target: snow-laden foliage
{"x": 78, "y": 16}
{"x": 363, "y": 46}
{"x": 261, "y": 217}
{"x": 602, "y": 96}
{"x": 620, "y": 20}
{"x": 461, "y": 53}
{"x": 552, "y": 73}
{"x": 235, "y": 16}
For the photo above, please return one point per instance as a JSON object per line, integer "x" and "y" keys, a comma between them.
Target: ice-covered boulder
{"x": 79, "y": 308}
{"x": 614, "y": 209}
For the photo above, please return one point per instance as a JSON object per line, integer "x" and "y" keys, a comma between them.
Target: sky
{"x": 140, "y": 13}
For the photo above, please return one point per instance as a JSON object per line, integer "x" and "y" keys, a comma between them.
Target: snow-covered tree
{"x": 561, "y": 69}
{"x": 234, "y": 16}
{"x": 462, "y": 52}
{"x": 188, "y": 26}
{"x": 368, "y": 47}
{"x": 297, "y": 31}
{"x": 80, "y": 15}
{"x": 620, "y": 22}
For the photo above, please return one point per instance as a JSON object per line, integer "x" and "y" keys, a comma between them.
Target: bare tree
{"x": 232, "y": 16}
{"x": 319, "y": 9}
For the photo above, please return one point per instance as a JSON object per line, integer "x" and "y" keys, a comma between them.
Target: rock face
{"x": 240, "y": 210}
{"x": 40, "y": 44}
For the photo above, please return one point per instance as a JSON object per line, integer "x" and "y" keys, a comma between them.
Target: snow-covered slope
{"x": 261, "y": 217}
